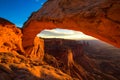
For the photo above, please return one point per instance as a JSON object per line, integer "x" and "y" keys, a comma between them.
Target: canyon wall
{"x": 10, "y": 37}
{"x": 98, "y": 18}
{"x": 58, "y": 59}
{"x": 70, "y": 57}
{"x": 16, "y": 65}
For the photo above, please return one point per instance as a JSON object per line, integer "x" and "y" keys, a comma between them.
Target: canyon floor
{"x": 100, "y": 60}
{"x": 64, "y": 60}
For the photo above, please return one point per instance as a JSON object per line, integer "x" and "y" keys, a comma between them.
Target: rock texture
{"x": 16, "y": 66}
{"x": 69, "y": 56}
{"x": 65, "y": 56}
{"x": 10, "y": 37}
{"x": 58, "y": 59}
{"x": 98, "y": 18}
{"x": 36, "y": 51}
{"x": 62, "y": 59}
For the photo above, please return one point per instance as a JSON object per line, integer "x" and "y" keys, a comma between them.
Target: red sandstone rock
{"x": 98, "y": 18}
{"x": 37, "y": 50}
{"x": 10, "y": 37}
{"x": 4, "y": 22}
{"x": 66, "y": 56}
{"x": 14, "y": 66}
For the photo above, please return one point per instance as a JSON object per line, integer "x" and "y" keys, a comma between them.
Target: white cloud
{"x": 64, "y": 33}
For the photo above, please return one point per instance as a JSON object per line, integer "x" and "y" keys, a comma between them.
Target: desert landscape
{"x": 99, "y": 59}
{"x": 26, "y": 56}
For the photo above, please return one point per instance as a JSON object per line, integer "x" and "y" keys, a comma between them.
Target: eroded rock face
{"x": 14, "y": 66}
{"x": 69, "y": 56}
{"x": 65, "y": 54}
{"x": 98, "y": 18}
{"x": 36, "y": 51}
{"x": 10, "y": 37}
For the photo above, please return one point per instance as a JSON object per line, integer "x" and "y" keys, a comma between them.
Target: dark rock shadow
{"x": 15, "y": 73}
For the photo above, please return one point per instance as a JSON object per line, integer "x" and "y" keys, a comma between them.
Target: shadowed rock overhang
{"x": 98, "y": 18}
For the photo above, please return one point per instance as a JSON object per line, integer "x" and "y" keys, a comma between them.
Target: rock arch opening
{"x": 32, "y": 28}
{"x": 96, "y": 18}
{"x": 67, "y": 34}
{"x": 64, "y": 34}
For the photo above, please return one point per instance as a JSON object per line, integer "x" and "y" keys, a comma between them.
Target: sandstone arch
{"x": 98, "y": 18}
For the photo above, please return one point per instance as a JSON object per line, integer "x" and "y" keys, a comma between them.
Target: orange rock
{"x": 36, "y": 52}
{"x": 11, "y": 41}
{"x": 10, "y": 37}
{"x": 98, "y": 18}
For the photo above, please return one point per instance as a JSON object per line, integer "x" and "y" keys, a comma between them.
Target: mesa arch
{"x": 98, "y": 18}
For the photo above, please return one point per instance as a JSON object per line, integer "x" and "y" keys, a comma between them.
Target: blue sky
{"x": 18, "y": 11}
